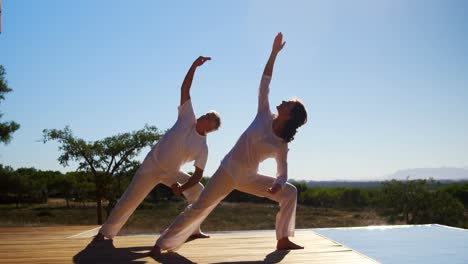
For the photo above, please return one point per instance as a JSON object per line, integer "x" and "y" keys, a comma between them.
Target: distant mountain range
{"x": 444, "y": 173}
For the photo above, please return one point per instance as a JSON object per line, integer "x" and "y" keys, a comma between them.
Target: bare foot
{"x": 155, "y": 252}
{"x": 285, "y": 244}
{"x": 200, "y": 235}
{"x": 197, "y": 236}
{"x": 99, "y": 237}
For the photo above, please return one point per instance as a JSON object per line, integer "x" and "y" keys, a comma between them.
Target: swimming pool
{"x": 405, "y": 244}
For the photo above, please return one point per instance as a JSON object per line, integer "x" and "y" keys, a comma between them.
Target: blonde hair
{"x": 217, "y": 120}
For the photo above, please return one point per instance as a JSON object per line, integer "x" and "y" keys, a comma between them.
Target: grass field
{"x": 154, "y": 218}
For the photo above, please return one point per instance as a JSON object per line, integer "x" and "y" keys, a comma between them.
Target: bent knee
{"x": 192, "y": 193}
{"x": 290, "y": 190}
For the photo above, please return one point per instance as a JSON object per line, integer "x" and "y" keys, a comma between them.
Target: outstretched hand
{"x": 278, "y": 43}
{"x": 200, "y": 60}
{"x": 176, "y": 188}
{"x": 274, "y": 189}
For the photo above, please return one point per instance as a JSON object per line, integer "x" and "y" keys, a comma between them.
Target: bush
{"x": 416, "y": 202}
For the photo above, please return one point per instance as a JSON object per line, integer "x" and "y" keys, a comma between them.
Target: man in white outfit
{"x": 184, "y": 142}
{"x": 266, "y": 137}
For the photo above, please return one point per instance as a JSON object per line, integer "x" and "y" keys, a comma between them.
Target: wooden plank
{"x": 54, "y": 245}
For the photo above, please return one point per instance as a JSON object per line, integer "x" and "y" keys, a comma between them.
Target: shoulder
{"x": 186, "y": 113}
{"x": 265, "y": 116}
{"x": 185, "y": 105}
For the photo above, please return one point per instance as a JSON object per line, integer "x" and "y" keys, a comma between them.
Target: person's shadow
{"x": 273, "y": 257}
{"x": 172, "y": 257}
{"x": 105, "y": 252}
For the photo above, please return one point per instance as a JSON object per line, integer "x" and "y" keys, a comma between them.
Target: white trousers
{"x": 219, "y": 186}
{"x": 146, "y": 178}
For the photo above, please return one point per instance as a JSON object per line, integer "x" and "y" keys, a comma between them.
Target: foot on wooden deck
{"x": 155, "y": 252}
{"x": 197, "y": 236}
{"x": 100, "y": 237}
{"x": 286, "y": 244}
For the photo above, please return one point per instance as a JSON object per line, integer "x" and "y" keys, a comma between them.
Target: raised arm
{"x": 278, "y": 45}
{"x": 185, "y": 89}
{"x": 263, "y": 103}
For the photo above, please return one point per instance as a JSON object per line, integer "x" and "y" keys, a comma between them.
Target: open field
{"x": 154, "y": 218}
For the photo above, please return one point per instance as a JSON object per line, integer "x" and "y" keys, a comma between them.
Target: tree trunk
{"x": 98, "y": 183}
{"x": 99, "y": 207}
{"x": 110, "y": 206}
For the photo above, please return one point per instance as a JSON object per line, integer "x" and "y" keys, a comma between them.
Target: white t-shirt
{"x": 181, "y": 143}
{"x": 258, "y": 143}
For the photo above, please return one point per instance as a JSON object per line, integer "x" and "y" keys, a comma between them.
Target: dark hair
{"x": 298, "y": 118}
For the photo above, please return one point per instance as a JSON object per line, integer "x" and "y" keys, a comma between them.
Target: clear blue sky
{"x": 385, "y": 82}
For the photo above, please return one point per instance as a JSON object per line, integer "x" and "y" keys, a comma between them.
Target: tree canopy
{"x": 6, "y": 128}
{"x": 105, "y": 158}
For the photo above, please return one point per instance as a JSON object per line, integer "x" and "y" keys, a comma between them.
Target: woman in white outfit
{"x": 267, "y": 136}
{"x": 184, "y": 142}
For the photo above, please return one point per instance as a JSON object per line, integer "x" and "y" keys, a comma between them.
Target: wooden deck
{"x": 67, "y": 244}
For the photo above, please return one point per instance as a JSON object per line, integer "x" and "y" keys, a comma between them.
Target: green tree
{"x": 446, "y": 209}
{"x": 406, "y": 200}
{"x": 301, "y": 188}
{"x": 417, "y": 202}
{"x": 320, "y": 197}
{"x": 84, "y": 188}
{"x": 30, "y": 186}
{"x": 5, "y": 175}
{"x": 459, "y": 191}
{"x": 20, "y": 185}
{"x": 353, "y": 197}
{"x": 63, "y": 186}
{"x": 6, "y": 128}
{"x": 104, "y": 158}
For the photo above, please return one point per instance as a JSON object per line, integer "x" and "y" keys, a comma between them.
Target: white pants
{"x": 146, "y": 178}
{"x": 219, "y": 186}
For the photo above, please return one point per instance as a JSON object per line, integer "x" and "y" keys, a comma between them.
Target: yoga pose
{"x": 184, "y": 142}
{"x": 267, "y": 136}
